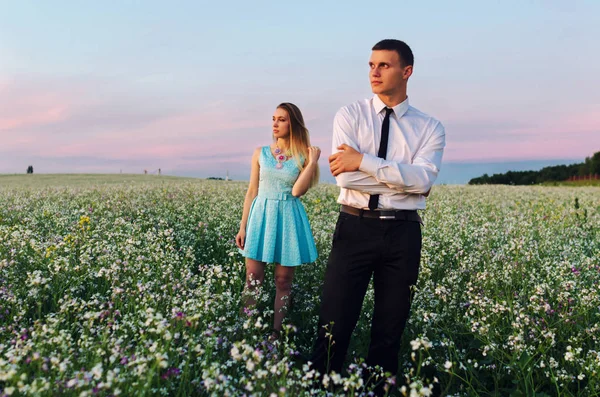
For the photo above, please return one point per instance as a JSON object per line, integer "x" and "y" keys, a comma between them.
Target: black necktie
{"x": 385, "y": 134}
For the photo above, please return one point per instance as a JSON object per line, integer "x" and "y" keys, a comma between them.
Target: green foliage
{"x": 135, "y": 289}
{"x": 556, "y": 173}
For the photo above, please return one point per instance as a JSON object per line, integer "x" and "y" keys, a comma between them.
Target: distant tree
{"x": 595, "y": 164}
{"x": 555, "y": 173}
{"x": 30, "y": 169}
{"x": 586, "y": 167}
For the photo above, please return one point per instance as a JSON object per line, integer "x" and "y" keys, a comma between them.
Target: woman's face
{"x": 281, "y": 124}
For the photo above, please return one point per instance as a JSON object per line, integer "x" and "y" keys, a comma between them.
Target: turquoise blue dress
{"x": 278, "y": 230}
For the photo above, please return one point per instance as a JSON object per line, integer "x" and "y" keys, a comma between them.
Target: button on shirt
{"x": 414, "y": 156}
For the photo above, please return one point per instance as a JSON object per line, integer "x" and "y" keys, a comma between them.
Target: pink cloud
{"x": 552, "y": 136}
{"x": 81, "y": 118}
{"x": 30, "y": 109}
{"x": 69, "y": 120}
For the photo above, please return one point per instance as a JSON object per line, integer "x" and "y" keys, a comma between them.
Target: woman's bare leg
{"x": 255, "y": 275}
{"x": 283, "y": 284}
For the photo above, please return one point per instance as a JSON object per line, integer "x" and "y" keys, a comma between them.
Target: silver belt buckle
{"x": 388, "y": 216}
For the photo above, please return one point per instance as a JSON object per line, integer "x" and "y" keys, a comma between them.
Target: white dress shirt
{"x": 414, "y": 156}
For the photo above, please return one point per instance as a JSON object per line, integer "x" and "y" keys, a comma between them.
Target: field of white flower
{"x": 135, "y": 290}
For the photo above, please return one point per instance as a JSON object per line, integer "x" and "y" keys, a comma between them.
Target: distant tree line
{"x": 30, "y": 169}
{"x": 556, "y": 173}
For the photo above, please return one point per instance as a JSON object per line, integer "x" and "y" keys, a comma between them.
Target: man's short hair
{"x": 403, "y": 50}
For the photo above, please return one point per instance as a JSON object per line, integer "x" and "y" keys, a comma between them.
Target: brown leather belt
{"x": 392, "y": 215}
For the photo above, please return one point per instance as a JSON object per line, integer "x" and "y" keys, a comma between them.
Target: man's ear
{"x": 407, "y": 72}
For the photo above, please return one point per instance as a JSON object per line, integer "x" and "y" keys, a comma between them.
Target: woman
{"x": 274, "y": 226}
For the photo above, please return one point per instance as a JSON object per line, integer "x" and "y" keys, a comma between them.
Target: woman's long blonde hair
{"x": 299, "y": 138}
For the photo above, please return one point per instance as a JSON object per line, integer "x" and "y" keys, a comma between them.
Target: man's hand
{"x": 347, "y": 160}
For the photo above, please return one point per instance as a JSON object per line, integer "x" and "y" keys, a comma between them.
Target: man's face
{"x": 387, "y": 73}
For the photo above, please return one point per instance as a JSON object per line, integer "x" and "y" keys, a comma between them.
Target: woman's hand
{"x": 313, "y": 154}
{"x": 240, "y": 239}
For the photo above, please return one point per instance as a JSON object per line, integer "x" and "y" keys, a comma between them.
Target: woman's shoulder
{"x": 256, "y": 153}
{"x": 260, "y": 150}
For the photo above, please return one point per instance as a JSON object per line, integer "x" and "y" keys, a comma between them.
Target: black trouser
{"x": 390, "y": 250}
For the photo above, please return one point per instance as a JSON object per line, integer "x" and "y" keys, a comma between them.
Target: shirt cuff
{"x": 369, "y": 164}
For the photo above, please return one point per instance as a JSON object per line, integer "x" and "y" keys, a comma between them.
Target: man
{"x": 387, "y": 155}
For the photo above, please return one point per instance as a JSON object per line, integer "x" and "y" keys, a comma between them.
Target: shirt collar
{"x": 399, "y": 109}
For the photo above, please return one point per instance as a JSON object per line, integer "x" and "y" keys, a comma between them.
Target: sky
{"x": 190, "y": 87}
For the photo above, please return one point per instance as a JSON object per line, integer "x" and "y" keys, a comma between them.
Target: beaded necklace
{"x": 281, "y": 157}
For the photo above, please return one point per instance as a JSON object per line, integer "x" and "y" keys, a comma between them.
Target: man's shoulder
{"x": 416, "y": 113}
{"x": 356, "y": 108}
{"x": 422, "y": 117}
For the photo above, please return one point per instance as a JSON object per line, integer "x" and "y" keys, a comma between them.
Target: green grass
{"x": 60, "y": 180}
{"x": 132, "y": 285}
{"x": 573, "y": 183}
